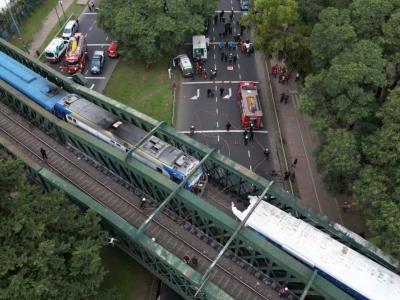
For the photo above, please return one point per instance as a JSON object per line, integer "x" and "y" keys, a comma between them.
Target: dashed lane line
{"x": 217, "y": 82}
{"x": 91, "y": 78}
{"x": 224, "y": 131}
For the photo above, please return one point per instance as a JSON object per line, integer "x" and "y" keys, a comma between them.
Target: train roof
{"x": 319, "y": 250}
{"x": 34, "y": 86}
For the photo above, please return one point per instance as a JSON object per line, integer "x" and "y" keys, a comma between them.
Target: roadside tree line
{"x": 49, "y": 248}
{"x": 350, "y": 51}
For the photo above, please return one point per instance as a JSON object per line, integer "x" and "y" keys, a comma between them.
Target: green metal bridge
{"x": 233, "y": 261}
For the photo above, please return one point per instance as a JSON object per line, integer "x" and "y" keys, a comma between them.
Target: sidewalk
{"x": 47, "y": 25}
{"x": 301, "y": 142}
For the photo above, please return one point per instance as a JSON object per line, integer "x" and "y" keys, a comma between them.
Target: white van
{"x": 69, "y": 30}
{"x": 55, "y": 50}
{"x": 200, "y": 43}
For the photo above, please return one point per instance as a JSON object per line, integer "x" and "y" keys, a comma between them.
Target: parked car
{"x": 97, "y": 62}
{"x": 55, "y": 50}
{"x": 70, "y": 29}
{"x": 244, "y": 5}
{"x": 184, "y": 64}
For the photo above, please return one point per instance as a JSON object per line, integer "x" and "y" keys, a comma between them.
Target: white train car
{"x": 358, "y": 275}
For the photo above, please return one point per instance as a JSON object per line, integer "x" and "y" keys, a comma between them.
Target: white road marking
{"x": 224, "y": 131}
{"x": 85, "y": 35}
{"x": 216, "y": 99}
{"x": 94, "y": 22}
{"x": 238, "y": 66}
{"x": 248, "y": 153}
{"x": 217, "y": 124}
{"x": 215, "y": 66}
{"x": 107, "y": 37}
{"x": 87, "y": 71}
{"x": 92, "y": 86}
{"x": 89, "y": 14}
{"x": 216, "y": 82}
{"x": 92, "y": 78}
{"x": 195, "y": 97}
{"x": 90, "y": 28}
{"x": 240, "y": 76}
{"x": 229, "y": 94}
{"x": 251, "y": 169}
{"x": 218, "y": 138}
{"x": 97, "y": 45}
{"x": 216, "y": 110}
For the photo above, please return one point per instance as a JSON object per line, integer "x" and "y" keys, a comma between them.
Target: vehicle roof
{"x": 319, "y": 250}
{"x": 185, "y": 61}
{"x": 250, "y": 101}
{"x": 199, "y": 41}
{"x": 70, "y": 24}
{"x": 98, "y": 52}
{"x": 53, "y": 44}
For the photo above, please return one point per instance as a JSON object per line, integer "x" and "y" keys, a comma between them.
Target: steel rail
{"x": 115, "y": 193}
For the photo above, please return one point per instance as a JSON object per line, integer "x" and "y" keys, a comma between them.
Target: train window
{"x": 159, "y": 170}
{"x": 118, "y": 145}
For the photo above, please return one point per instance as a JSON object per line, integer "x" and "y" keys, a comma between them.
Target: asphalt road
{"x": 96, "y": 39}
{"x": 210, "y": 115}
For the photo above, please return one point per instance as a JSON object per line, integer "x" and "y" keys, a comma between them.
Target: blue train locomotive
{"x": 155, "y": 153}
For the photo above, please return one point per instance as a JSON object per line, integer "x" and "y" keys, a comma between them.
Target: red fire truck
{"x": 249, "y": 105}
{"x": 75, "y": 57}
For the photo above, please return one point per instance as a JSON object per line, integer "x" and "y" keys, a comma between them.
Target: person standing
{"x": 286, "y": 99}
{"x": 251, "y": 131}
{"x": 221, "y": 91}
{"x": 282, "y": 97}
{"x": 266, "y": 153}
{"x": 246, "y": 139}
{"x": 294, "y": 162}
{"x": 209, "y": 93}
{"x": 43, "y": 153}
{"x": 286, "y": 175}
{"x": 228, "y": 126}
{"x": 142, "y": 202}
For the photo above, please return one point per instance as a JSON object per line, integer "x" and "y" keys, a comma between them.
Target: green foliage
{"x": 369, "y": 15}
{"x": 339, "y": 160}
{"x": 49, "y": 249}
{"x": 149, "y": 29}
{"x": 280, "y": 30}
{"x": 331, "y": 36}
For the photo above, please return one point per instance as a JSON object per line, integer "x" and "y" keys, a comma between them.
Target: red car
{"x": 112, "y": 51}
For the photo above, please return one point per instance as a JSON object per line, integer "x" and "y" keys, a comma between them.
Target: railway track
{"x": 229, "y": 276}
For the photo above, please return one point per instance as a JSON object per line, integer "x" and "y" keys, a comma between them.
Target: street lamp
{"x": 59, "y": 22}
{"x": 65, "y": 18}
{"x": 17, "y": 27}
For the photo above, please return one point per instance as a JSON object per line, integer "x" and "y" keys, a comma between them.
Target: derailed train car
{"x": 155, "y": 153}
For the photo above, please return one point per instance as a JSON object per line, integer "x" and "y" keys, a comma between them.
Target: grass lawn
{"x": 75, "y": 10}
{"x": 127, "y": 279}
{"x": 146, "y": 90}
{"x": 35, "y": 19}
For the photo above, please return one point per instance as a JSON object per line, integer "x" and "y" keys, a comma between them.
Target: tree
{"x": 152, "y": 28}
{"x": 280, "y": 31}
{"x": 346, "y": 92}
{"x": 339, "y": 160}
{"x": 367, "y": 16}
{"x": 310, "y": 9}
{"x": 330, "y": 36}
{"x": 49, "y": 249}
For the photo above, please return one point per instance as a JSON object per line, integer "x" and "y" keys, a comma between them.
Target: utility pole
{"x": 17, "y": 27}
{"x": 59, "y": 21}
{"x": 62, "y": 7}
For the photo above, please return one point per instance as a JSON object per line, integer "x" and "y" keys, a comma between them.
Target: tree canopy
{"x": 354, "y": 100}
{"x": 49, "y": 249}
{"x": 149, "y": 29}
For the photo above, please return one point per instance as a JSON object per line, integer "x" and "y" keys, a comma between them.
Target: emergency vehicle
{"x": 249, "y": 105}
{"x": 75, "y": 57}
